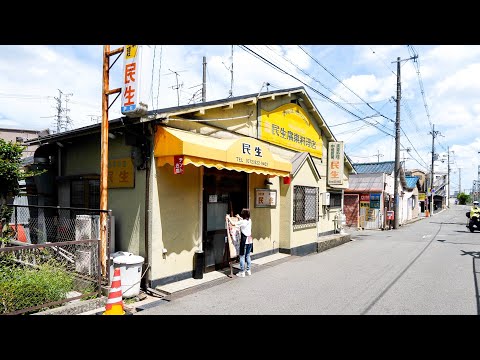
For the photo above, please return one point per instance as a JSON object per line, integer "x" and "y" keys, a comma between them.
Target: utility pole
{"x": 397, "y": 146}
{"x": 231, "y": 76}
{"x": 104, "y": 152}
{"x": 378, "y": 156}
{"x": 230, "y": 68}
{"x": 176, "y": 87}
{"x": 432, "y": 189}
{"x": 204, "y": 87}
{"x": 397, "y": 150}
{"x": 478, "y": 180}
{"x": 448, "y": 174}
{"x": 459, "y": 180}
{"x": 68, "y": 121}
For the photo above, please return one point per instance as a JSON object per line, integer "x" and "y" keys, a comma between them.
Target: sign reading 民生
{"x": 265, "y": 198}
{"x": 135, "y": 79}
{"x": 335, "y": 163}
{"x": 121, "y": 173}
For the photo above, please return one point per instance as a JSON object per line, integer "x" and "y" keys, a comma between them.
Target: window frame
{"x": 305, "y": 212}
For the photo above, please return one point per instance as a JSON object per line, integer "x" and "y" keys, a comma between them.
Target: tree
{"x": 463, "y": 198}
{"x": 11, "y": 172}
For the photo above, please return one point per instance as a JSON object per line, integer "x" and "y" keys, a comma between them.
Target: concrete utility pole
{"x": 478, "y": 181}
{"x": 231, "y": 76}
{"x": 434, "y": 134}
{"x": 459, "y": 180}
{"x": 448, "y": 174}
{"x": 397, "y": 151}
{"x": 397, "y": 145}
{"x": 104, "y": 152}
{"x": 204, "y": 87}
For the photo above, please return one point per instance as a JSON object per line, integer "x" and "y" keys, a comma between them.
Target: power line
{"x": 309, "y": 86}
{"x": 316, "y": 80}
{"x": 417, "y": 65}
{"x": 388, "y": 67}
{"x": 341, "y": 82}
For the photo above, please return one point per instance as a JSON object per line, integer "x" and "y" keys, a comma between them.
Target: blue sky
{"x": 346, "y": 82}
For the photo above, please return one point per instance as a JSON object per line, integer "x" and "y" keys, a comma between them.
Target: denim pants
{"x": 248, "y": 249}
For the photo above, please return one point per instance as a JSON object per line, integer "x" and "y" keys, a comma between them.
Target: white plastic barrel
{"x": 112, "y": 257}
{"x": 130, "y": 273}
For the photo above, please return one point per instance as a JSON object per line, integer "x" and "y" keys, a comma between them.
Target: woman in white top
{"x": 246, "y": 241}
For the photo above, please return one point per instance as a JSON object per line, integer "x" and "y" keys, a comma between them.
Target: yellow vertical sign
{"x": 121, "y": 173}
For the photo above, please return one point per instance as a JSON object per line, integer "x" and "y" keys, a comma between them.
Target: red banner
{"x": 365, "y": 197}
{"x": 178, "y": 164}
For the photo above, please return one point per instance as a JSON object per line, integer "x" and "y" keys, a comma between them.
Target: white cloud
{"x": 32, "y": 75}
{"x": 462, "y": 81}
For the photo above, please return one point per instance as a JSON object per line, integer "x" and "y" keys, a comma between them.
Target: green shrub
{"x": 463, "y": 198}
{"x": 24, "y": 287}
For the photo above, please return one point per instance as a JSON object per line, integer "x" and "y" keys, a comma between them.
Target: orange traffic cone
{"x": 114, "y": 302}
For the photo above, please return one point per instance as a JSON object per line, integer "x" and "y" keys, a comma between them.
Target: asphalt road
{"x": 427, "y": 267}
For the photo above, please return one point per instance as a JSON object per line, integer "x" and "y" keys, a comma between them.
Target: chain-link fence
{"x": 35, "y": 277}
{"x": 33, "y": 224}
{"x": 40, "y": 224}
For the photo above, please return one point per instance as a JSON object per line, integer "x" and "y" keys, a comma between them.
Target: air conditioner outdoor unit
{"x": 326, "y": 199}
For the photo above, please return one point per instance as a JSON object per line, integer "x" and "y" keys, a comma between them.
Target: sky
{"x": 354, "y": 88}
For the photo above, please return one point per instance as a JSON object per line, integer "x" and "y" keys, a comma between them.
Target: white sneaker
{"x": 249, "y": 272}
{"x": 241, "y": 274}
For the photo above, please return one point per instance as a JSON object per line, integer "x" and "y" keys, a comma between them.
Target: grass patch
{"x": 22, "y": 287}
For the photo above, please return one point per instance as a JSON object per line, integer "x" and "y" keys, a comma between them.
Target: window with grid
{"x": 305, "y": 205}
{"x": 85, "y": 193}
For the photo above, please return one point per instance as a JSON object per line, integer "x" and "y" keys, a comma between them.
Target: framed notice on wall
{"x": 265, "y": 198}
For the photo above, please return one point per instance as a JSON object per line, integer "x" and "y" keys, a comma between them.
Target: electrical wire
{"x": 336, "y": 78}
{"x": 245, "y": 48}
{"x": 416, "y": 63}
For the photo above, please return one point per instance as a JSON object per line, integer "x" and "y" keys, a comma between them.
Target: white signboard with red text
{"x": 136, "y": 79}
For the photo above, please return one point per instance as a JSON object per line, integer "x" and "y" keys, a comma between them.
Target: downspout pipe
{"x": 148, "y": 211}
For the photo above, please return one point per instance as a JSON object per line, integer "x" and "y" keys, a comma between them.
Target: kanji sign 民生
{"x": 135, "y": 82}
{"x": 335, "y": 163}
{"x": 121, "y": 173}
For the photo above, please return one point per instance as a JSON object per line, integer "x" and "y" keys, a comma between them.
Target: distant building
{"x": 19, "y": 136}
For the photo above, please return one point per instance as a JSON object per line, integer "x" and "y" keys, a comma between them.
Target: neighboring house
{"x": 19, "y": 136}
{"x": 440, "y": 186}
{"x": 370, "y": 196}
{"x": 175, "y": 173}
{"x": 422, "y": 183}
{"x": 410, "y": 205}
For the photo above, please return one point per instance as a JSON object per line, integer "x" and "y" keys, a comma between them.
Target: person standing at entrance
{"x": 246, "y": 242}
